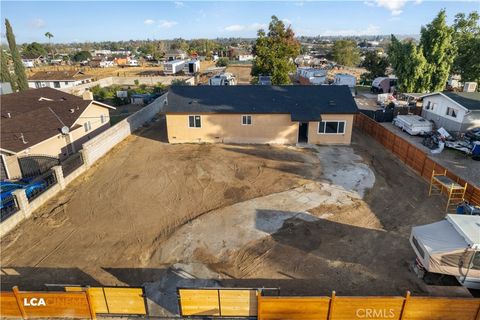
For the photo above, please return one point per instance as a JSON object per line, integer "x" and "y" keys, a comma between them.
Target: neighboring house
{"x": 454, "y": 111}
{"x": 260, "y": 114}
{"x": 58, "y": 79}
{"x": 101, "y": 62}
{"x": 175, "y": 55}
{"x": 5, "y": 88}
{"x": 47, "y": 122}
{"x": 139, "y": 98}
{"x": 121, "y": 60}
{"x": 245, "y": 57}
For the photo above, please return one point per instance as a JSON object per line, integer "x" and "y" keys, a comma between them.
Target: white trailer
{"x": 192, "y": 67}
{"x": 173, "y": 67}
{"x": 224, "y": 79}
{"x": 450, "y": 246}
{"x": 413, "y": 124}
{"x": 345, "y": 79}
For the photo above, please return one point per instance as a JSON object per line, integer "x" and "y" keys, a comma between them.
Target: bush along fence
{"x": 23, "y": 202}
{"x": 412, "y": 156}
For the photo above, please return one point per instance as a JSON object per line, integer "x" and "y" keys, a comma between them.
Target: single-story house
{"x": 454, "y": 111}
{"x": 260, "y": 114}
{"x": 101, "y": 62}
{"x": 175, "y": 55}
{"x": 58, "y": 79}
{"x": 47, "y": 122}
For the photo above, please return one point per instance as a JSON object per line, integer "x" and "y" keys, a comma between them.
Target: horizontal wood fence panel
{"x": 55, "y": 304}
{"x": 378, "y": 308}
{"x": 125, "y": 300}
{"x": 199, "y": 302}
{"x": 276, "y": 308}
{"x": 419, "y": 308}
{"x": 9, "y": 306}
{"x": 238, "y": 303}
{"x": 411, "y": 155}
{"x": 97, "y": 298}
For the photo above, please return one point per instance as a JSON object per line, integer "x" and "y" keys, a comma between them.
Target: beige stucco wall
{"x": 315, "y": 138}
{"x": 12, "y": 166}
{"x": 228, "y": 128}
{"x": 57, "y": 145}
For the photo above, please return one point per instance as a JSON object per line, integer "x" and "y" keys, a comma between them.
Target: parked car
{"x": 30, "y": 187}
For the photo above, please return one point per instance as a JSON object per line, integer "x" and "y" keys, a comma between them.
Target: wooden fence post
{"x": 19, "y": 302}
{"x": 259, "y": 304}
{"x": 404, "y": 306}
{"x": 332, "y": 302}
{"x": 93, "y": 314}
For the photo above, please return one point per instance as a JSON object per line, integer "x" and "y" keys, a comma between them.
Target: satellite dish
{"x": 65, "y": 130}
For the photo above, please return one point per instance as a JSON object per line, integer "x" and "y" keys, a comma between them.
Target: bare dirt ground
{"x": 241, "y": 72}
{"x": 306, "y": 220}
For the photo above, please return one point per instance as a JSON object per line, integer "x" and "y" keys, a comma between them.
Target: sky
{"x": 87, "y": 21}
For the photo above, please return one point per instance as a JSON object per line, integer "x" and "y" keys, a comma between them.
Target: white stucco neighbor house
{"x": 58, "y": 79}
{"x": 454, "y": 111}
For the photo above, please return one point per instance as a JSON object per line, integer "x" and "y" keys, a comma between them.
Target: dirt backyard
{"x": 307, "y": 220}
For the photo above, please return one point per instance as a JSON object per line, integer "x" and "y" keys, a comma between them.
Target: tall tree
{"x": 375, "y": 64}
{"x": 410, "y": 65}
{"x": 345, "y": 52}
{"x": 6, "y": 76}
{"x": 22, "y": 83}
{"x": 34, "y": 50}
{"x": 438, "y": 48}
{"x": 49, "y": 36}
{"x": 275, "y": 52}
{"x": 467, "y": 40}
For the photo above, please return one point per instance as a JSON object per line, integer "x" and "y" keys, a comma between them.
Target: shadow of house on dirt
{"x": 154, "y": 130}
{"x": 32, "y": 278}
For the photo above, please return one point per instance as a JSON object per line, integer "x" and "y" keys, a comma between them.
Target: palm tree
{"x": 49, "y": 36}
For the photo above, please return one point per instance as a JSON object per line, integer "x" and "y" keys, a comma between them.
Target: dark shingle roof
{"x": 304, "y": 103}
{"x": 470, "y": 100}
{"x": 28, "y": 114}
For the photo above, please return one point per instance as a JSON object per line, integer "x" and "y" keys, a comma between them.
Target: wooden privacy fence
{"x": 75, "y": 302}
{"x": 218, "y": 302}
{"x": 411, "y": 155}
{"x": 250, "y": 303}
{"x": 377, "y": 308}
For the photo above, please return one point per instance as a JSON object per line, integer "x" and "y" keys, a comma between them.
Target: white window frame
{"x": 245, "y": 116}
{"x": 328, "y": 133}
{"x": 194, "y": 115}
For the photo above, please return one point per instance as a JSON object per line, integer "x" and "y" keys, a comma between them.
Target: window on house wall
{"x": 331, "y": 127}
{"x": 452, "y": 112}
{"x": 194, "y": 122}
{"x": 102, "y": 118}
{"x": 428, "y": 105}
{"x": 246, "y": 120}
{"x": 87, "y": 126}
{"x": 56, "y": 84}
{"x": 38, "y": 84}
{"x": 66, "y": 83}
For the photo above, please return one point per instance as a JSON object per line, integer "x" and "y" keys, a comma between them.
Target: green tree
{"x": 409, "y": 64}
{"x": 179, "y": 82}
{"x": 346, "y": 53}
{"x": 21, "y": 77}
{"x": 275, "y": 52}
{"x": 49, "y": 36}
{"x": 467, "y": 40}
{"x": 222, "y": 62}
{"x": 438, "y": 48}
{"x": 6, "y": 76}
{"x": 375, "y": 64}
{"x": 81, "y": 56}
{"x": 34, "y": 50}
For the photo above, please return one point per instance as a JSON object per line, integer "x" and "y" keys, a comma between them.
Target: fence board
{"x": 238, "y": 303}
{"x": 125, "y": 300}
{"x": 349, "y": 308}
{"x": 97, "y": 298}
{"x": 419, "y": 308}
{"x": 199, "y": 302}
{"x": 9, "y": 305}
{"x": 276, "y": 308}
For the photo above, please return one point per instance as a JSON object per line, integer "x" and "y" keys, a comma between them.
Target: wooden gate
{"x": 218, "y": 302}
